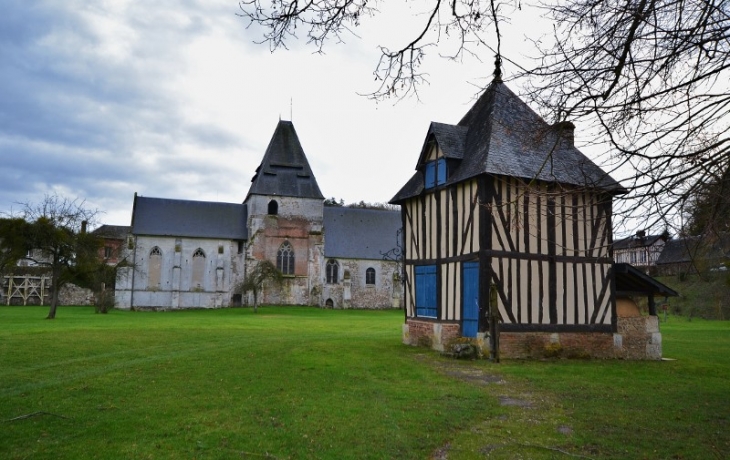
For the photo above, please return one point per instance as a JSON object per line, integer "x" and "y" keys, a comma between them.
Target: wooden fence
{"x": 30, "y": 289}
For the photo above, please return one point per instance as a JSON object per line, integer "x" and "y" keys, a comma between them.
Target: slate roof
{"x": 357, "y": 233}
{"x": 449, "y": 137}
{"x": 501, "y": 135}
{"x": 683, "y": 250}
{"x": 636, "y": 242}
{"x": 284, "y": 170}
{"x": 113, "y": 231}
{"x": 185, "y": 218}
{"x": 678, "y": 250}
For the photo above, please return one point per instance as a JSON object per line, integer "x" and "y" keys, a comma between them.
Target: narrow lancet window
{"x": 285, "y": 259}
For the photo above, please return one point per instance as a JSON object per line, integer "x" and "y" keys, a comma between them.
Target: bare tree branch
{"x": 398, "y": 70}
{"x": 651, "y": 79}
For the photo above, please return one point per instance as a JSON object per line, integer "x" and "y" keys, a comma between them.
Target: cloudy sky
{"x": 102, "y": 99}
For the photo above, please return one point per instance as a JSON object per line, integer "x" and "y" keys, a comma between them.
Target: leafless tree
{"x": 262, "y": 272}
{"x": 651, "y": 76}
{"x": 59, "y": 240}
{"x": 648, "y": 79}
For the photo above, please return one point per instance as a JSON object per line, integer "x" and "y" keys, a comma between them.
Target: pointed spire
{"x": 284, "y": 170}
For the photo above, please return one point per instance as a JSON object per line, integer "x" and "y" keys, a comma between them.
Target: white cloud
{"x": 104, "y": 99}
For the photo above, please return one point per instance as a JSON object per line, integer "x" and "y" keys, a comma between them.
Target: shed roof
{"x": 186, "y": 218}
{"x": 284, "y": 170}
{"x": 357, "y": 233}
{"x": 630, "y": 280}
{"x": 501, "y": 135}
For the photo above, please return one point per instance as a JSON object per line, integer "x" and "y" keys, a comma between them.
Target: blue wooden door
{"x": 470, "y": 299}
{"x": 426, "y": 291}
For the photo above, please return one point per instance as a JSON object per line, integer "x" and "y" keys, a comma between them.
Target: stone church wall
{"x": 176, "y": 288}
{"x": 352, "y": 291}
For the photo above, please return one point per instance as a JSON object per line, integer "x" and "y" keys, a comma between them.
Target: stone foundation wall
{"x": 637, "y": 338}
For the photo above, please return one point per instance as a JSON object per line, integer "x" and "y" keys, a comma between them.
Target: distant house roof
{"x": 687, "y": 249}
{"x": 195, "y": 219}
{"x": 501, "y": 135}
{"x": 356, "y": 233}
{"x": 284, "y": 170}
{"x": 637, "y": 241}
{"x": 118, "y": 232}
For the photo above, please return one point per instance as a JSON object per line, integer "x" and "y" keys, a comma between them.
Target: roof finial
{"x": 498, "y": 68}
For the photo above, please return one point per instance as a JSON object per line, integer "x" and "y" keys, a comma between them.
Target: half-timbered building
{"x": 506, "y": 222}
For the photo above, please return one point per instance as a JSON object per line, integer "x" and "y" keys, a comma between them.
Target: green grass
{"x": 668, "y": 409}
{"x": 310, "y": 383}
{"x": 285, "y": 383}
{"x": 706, "y": 296}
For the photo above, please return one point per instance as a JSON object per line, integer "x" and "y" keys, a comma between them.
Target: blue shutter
{"x": 430, "y": 174}
{"x": 470, "y": 297}
{"x": 426, "y": 291}
{"x": 441, "y": 171}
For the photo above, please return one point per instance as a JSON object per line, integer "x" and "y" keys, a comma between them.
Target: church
{"x": 195, "y": 254}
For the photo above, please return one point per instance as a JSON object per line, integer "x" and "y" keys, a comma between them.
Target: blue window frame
{"x": 426, "y": 291}
{"x": 431, "y": 174}
{"x": 435, "y": 173}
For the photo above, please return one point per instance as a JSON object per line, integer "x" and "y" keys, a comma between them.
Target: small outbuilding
{"x": 506, "y": 223}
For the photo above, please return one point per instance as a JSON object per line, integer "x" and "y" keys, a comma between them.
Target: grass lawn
{"x": 309, "y": 383}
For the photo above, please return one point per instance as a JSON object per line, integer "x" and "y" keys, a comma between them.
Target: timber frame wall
{"x": 543, "y": 251}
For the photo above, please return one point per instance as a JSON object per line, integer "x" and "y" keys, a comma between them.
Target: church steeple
{"x": 284, "y": 170}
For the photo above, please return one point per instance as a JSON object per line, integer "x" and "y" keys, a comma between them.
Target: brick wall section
{"x": 637, "y": 338}
{"x": 522, "y": 345}
{"x": 430, "y": 334}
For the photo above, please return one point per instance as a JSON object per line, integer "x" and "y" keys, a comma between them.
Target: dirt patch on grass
{"x": 528, "y": 426}
{"x": 465, "y": 372}
{"x": 509, "y": 401}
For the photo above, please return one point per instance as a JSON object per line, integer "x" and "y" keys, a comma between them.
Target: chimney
{"x": 566, "y": 130}
{"x": 83, "y": 226}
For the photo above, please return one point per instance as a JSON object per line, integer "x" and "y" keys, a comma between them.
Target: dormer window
{"x": 435, "y": 173}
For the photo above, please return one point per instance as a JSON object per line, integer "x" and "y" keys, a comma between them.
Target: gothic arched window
{"x": 332, "y": 269}
{"x": 154, "y": 271}
{"x": 285, "y": 259}
{"x": 198, "y": 268}
{"x": 370, "y": 276}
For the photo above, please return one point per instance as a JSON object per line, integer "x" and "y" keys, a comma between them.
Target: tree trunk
{"x": 255, "y": 302}
{"x": 55, "y": 275}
